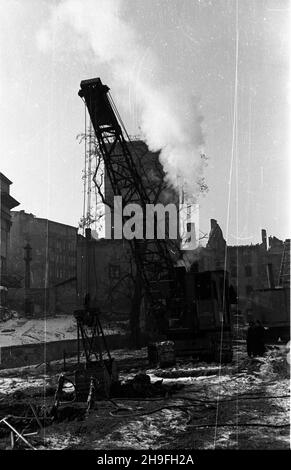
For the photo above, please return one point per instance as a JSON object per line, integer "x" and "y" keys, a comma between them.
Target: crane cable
{"x": 85, "y": 168}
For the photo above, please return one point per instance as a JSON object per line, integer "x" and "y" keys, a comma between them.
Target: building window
{"x": 248, "y": 271}
{"x": 233, "y": 256}
{"x": 114, "y": 271}
{"x": 247, "y": 256}
{"x": 249, "y": 290}
{"x": 233, "y": 271}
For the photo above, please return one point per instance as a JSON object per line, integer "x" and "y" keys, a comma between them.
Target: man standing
{"x": 251, "y": 339}
{"x": 260, "y": 338}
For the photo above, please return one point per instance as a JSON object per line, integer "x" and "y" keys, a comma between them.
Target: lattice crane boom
{"x": 152, "y": 257}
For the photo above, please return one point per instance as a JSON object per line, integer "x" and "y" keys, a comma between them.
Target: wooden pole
{"x": 12, "y": 439}
{"x": 17, "y": 433}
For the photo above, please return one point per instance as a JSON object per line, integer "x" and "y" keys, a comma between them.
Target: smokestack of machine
{"x": 264, "y": 238}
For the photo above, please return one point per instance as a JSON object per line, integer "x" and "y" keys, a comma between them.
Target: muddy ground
{"x": 243, "y": 405}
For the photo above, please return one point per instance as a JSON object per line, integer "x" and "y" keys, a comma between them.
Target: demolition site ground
{"x": 242, "y": 405}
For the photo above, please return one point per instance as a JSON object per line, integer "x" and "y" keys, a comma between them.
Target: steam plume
{"x": 168, "y": 116}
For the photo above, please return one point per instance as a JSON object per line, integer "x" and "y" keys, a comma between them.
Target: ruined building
{"x": 7, "y": 202}
{"x": 152, "y": 175}
{"x": 250, "y": 266}
{"x": 43, "y": 254}
{"x": 111, "y": 265}
{"x": 108, "y": 264}
{"x": 104, "y": 270}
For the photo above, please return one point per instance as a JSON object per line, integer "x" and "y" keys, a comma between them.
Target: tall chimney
{"x": 264, "y": 238}
{"x": 213, "y": 223}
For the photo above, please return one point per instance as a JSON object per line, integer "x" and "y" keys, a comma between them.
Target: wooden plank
{"x": 3, "y": 420}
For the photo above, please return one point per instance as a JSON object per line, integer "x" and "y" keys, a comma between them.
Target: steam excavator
{"x": 190, "y": 309}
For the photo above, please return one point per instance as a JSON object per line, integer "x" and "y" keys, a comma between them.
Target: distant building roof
{"x": 8, "y": 200}
{"x": 22, "y": 212}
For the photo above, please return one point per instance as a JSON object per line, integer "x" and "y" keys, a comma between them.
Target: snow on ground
{"x": 23, "y": 330}
{"x": 244, "y": 405}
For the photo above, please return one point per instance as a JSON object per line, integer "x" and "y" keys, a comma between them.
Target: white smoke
{"x": 168, "y": 115}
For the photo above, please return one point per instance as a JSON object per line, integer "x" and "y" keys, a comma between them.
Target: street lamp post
{"x": 27, "y": 258}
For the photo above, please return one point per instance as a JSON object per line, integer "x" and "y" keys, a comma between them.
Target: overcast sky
{"x": 194, "y": 45}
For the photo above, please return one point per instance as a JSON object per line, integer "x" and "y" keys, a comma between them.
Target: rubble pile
{"x": 7, "y": 314}
{"x": 275, "y": 363}
{"x": 140, "y": 386}
{"x": 248, "y": 399}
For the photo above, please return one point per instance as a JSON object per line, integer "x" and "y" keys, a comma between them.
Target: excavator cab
{"x": 200, "y": 322}
{"x": 190, "y": 307}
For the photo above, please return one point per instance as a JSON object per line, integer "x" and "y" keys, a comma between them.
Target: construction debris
{"x": 162, "y": 354}
{"x": 14, "y": 431}
{"x": 140, "y": 386}
{"x": 144, "y": 411}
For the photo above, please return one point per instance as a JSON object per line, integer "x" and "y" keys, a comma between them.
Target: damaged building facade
{"x": 104, "y": 271}
{"x": 42, "y": 253}
{"x": 106, "y": 267}
{"x": 250, "y": 267}
{"x": 7, "y": 202}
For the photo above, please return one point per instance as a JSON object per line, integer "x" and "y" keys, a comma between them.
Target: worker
{"x": 260, "y": 339}
{"x": 251, "y": 339}
{"x": 161, "y": 318}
